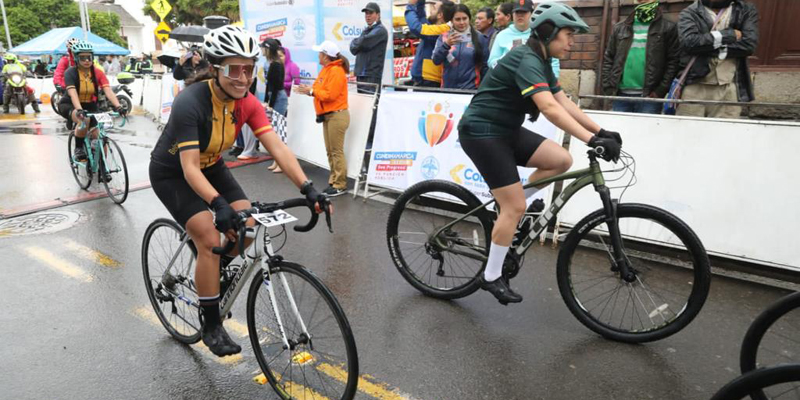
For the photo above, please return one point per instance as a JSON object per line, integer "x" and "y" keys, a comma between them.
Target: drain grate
{"x": 39, "y": 223}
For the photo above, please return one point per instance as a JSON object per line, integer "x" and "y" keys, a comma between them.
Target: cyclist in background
{"x": 63, "y": 64}
{"x": 83, "y": 83}
{"x": 492, "y": 135}
{"x": 189, "y": 176}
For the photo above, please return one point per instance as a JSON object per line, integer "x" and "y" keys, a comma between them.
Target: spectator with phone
{"x": 463, "y": 53}
{"x": 190, "y": 65}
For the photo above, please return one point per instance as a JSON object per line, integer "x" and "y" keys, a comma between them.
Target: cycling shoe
{"x": 501, "y": 291}
{"x": 218, "y": 341}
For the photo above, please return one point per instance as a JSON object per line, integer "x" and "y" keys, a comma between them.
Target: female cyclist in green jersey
{"x": 491, "y": 132}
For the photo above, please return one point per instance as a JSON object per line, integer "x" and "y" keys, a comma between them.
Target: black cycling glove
{"x": 610, "y": 135}
{"x": 224, "y": 216}
{"x": 121, "y": 111}
{"x": 313, "y": 196}
{"x": 610, "y": 147}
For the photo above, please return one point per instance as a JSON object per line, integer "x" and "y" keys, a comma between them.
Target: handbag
{"x": 676, "y": 88}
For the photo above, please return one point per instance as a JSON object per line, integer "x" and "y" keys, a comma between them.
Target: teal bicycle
{"x": 104, "y": 159}
{"x": 630, "y": 272}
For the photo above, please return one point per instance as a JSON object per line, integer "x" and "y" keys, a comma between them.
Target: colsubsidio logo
{"x": 454, "y": 174}
{"x": 346, "y": 32}
{"x": 435, "y": 126}
{"x": 430, "y": 167}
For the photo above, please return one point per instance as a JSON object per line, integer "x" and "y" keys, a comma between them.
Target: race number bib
{"x": 276, "y": 218}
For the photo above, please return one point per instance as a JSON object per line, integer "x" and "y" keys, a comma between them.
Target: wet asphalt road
{"x": 76, "y": 325}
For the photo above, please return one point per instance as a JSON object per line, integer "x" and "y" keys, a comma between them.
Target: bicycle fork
{"x": 620, "y": 261}
{"x": 305, "y": 337}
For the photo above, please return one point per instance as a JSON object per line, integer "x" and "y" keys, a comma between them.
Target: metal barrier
{"x": 679, "y": 101}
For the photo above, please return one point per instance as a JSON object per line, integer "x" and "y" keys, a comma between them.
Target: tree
{"x": 192, "y": 12}
{"x": 30, "y": 18}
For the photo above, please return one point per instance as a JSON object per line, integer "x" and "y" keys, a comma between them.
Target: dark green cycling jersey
{"x": 503, "y": 99}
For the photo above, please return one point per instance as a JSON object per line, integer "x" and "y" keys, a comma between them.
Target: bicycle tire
{"x": 653, "y": 257}
{"x": 305, "y": 357}
{"x": 758, "y": 380}
{"x": 81, "y": 171}
{"x": 55, "y": 98}
{"x": 119, "y": 192}
{"x": 748, "y": 358}
{"x": 182, "y": 283}
{"x": 404, "y": 213}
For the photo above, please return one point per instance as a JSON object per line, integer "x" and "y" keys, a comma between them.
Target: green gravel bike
{"x": 630, "y": 272}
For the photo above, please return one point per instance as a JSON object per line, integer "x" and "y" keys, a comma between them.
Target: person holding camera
{"x": 191, "y": 64}
{"x": 330, "y": 102}
{"x": 463, "y": 51}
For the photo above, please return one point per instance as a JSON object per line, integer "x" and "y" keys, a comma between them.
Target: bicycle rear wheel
{"x": 172, "y": 294}
{"x": 114, "y": 168}
{"x": 80, "y": 169}
{"x": 672, "y": 274}
{"x": 773, "y": 339}
{"x": 447, "y": 266}
{"x": 324, "y": 365}
{"x": 782, "y": 382}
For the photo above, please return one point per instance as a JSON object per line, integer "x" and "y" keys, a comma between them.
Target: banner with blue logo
{"x": 416, "y": 139}
{"x": 300, "y": 24}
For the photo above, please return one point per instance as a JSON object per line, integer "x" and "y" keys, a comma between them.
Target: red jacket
{"x": 64, "y": 63}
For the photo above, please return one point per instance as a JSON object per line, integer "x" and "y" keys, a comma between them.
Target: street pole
{"x": 88, "y": 21}
{"x": 5, "y": 22}
{"x": 83, "y": 20}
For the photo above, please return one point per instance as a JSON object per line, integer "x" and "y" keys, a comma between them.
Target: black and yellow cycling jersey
{"x": 201, "y": 120}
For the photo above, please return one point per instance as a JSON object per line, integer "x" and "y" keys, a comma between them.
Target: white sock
{"x": 530, "y": 192}
{"x": 494, "y": 267}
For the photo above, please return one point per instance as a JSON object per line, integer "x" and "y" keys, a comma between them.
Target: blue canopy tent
{"x": 55, "y": 42}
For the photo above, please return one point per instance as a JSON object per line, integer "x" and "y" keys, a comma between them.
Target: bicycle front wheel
{"x": 782, "y": 382}
{"x": 772, "y": 339}
{"x": 447, "y": 265}
{"x": 317, "y": 357}
{"x": 80, "y": 169}
{"x": 114, "y": 172}
{"x": 670, "y": 264}
{"x": 171, "y": 288}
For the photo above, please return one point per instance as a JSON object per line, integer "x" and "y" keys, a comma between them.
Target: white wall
{"x": 142, "y": 41}
{"x": 733, "y": 181}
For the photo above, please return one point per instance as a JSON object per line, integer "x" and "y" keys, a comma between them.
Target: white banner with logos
{"x": 305, "y": 134}
{"x": 300, "y": 24}
{"x": 416, "y": 138}
{"x": 169, "y": 89}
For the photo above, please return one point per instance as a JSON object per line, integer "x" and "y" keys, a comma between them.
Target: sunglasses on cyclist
{"x": 84, "y": 58}
{"x": 234, "y": 71}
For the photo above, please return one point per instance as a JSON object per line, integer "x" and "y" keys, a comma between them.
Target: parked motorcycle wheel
{"x": 125, "y": 102}
{"x": 55, "y": 98}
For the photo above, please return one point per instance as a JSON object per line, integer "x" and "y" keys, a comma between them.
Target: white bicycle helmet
{"x": 72, "y": 42}
{"x": 229, "y": 41}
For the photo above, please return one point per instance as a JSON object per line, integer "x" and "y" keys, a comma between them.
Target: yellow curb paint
{"x": 150, "y": 316}
{"x": 376, "y": 390}
{"x": 91, "y": 254}
{"x": 58, "y": 264}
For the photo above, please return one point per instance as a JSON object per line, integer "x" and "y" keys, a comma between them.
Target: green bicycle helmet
{"x": 560, "y": 15}
{"x": 82, "y": 47}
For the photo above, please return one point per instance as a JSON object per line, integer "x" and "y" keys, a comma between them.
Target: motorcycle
{"x": 18, "y": 86}
{"x": 124, "y": 95}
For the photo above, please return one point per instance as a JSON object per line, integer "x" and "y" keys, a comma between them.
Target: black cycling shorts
{"x": 181, "y": 200}
{"x": 497, "y": 157}
{"x": 65, "y": 109}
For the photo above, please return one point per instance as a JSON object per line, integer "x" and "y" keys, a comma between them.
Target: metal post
{"x": 5, "y": 22}
{"x": 83, "y": 19}
{"x": 88, "y": 21}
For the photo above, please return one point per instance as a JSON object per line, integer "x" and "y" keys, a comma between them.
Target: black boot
{"x": 213, "y": 333}
{"x": 501, "y": 291}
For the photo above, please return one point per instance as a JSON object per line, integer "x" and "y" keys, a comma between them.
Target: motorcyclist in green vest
{"x": 146, "y": 65}
{"x": 134, "y": 65}
{"x": 13, "y": 66}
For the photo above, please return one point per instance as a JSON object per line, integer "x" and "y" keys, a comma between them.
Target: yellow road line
{"x": 147, "y": 314}
{"x": 376, "y": 390}
{"x": 237, "y": 327}
{"x": 292, "y": 388}
{"x": 58, "y": 264}
{"x": 91, "y": 254}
